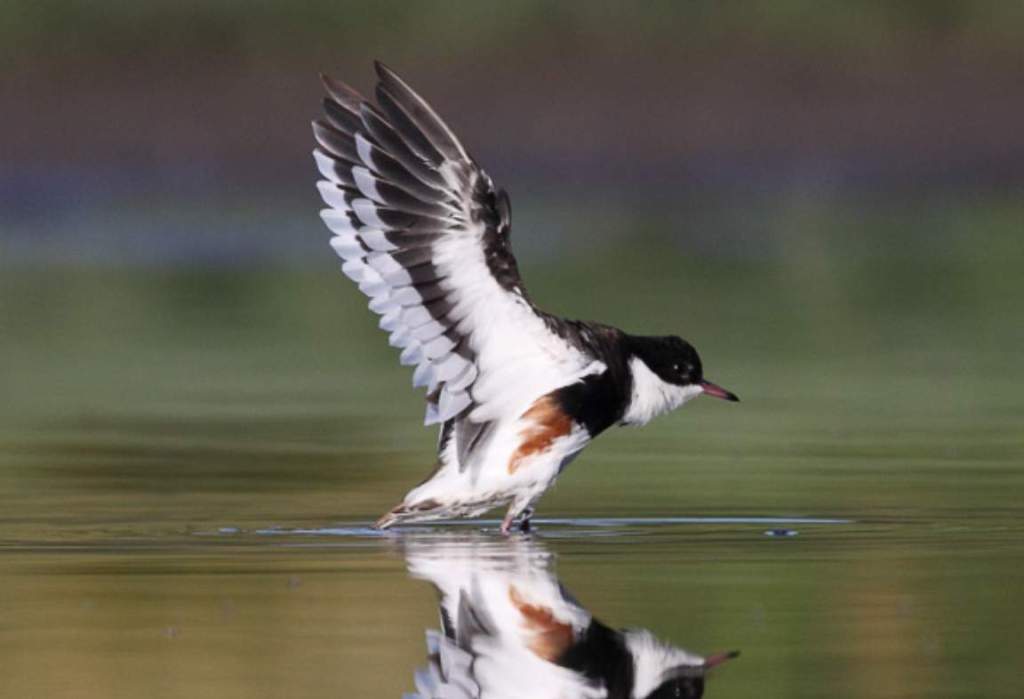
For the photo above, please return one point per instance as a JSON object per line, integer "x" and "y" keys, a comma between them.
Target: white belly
{"x": 502, "y": 472}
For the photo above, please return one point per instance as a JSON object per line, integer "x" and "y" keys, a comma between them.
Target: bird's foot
{"x": 524, "y": 522}
{"x": 512, "y": 517}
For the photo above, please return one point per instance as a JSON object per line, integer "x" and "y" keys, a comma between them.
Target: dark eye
{"x": 676, "y": 368}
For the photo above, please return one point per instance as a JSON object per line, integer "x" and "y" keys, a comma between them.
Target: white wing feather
{"x": 398, "y": 181}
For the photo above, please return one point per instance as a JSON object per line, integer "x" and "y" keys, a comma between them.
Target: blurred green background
{"x": 824, "y": 197}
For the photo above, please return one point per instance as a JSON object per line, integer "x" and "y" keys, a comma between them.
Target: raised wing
{"x": 425, "y": 234}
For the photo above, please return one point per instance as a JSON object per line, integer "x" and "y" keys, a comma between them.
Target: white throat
{"x": 652, "y": 658}
{"x": 651, "y": 396}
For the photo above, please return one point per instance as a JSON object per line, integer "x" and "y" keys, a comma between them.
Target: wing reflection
{"x": 509, "y": 629}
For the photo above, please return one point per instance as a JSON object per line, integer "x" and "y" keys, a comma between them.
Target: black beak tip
{"x": 718, "y": 658}
{"x": 716, "y": 391}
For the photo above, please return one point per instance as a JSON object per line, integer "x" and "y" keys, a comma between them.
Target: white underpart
{"x": 653, "y": 396}
{"x": 652, "y": 659}
{"x": 487, "y": 480}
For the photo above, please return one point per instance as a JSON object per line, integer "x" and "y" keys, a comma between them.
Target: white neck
{"x": 651, "y": 396}
{"x": 652, "y": 658}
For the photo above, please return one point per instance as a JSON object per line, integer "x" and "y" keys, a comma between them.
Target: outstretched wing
{"x": 425, "y": 234}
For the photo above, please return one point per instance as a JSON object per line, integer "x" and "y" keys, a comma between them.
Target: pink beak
{"x": 719, "y": 658}
{"x": 718, "y": 392}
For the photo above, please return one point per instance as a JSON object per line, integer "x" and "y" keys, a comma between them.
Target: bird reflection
{"x": 509, "y": 629}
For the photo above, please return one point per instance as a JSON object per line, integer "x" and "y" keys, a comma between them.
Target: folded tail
{"x": 418, "y": 512}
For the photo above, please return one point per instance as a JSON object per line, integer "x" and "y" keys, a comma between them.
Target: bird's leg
{"x": 514, "y": 514}
{"x": 524, "y": 522}
{"x": 506, "y": 524}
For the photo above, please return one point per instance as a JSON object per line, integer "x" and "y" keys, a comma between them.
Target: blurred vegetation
{"x": 42, "y": 30}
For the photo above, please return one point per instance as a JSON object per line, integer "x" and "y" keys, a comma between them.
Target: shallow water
{"x": 189, "y": 462}
{"x": 865, "y": 608}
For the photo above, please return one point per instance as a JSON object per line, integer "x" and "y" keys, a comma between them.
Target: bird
{"x": 516, "y": 392}
{"x": 510, "y": 629}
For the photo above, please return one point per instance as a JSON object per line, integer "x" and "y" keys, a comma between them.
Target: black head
{"x": 687, "y": 681}
{"x": 672, "y": 358}
{"x": 675, "y": 361}
{"x": 679, "y": 688}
